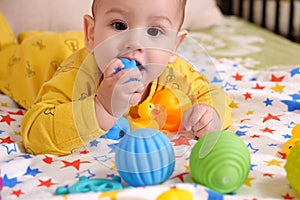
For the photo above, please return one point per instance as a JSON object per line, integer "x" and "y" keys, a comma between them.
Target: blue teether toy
{"x": 127, "y": 65}
{"x": 120, "y": 129}
{"x": 91, "y": 185}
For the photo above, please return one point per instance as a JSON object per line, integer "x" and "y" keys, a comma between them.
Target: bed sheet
{"x": 265, "y": 107}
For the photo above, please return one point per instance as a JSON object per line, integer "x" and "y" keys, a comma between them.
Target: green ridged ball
{"x": 292, "y": 167}
{"x": 220, "y": 161}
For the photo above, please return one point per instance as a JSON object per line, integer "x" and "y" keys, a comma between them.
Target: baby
{"x": 147, "y": 31}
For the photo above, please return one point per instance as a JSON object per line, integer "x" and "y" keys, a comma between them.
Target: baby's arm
{"x": 210, "y": 113}
{"x": 201, "y": 119}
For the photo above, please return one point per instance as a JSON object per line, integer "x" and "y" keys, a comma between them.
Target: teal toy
{"x": 220, "y": 161}
{"x": 145, "y": 157}
{"x": 91, "y": 185}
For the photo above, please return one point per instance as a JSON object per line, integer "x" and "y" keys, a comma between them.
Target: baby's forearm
{"x": 105, "y": 120}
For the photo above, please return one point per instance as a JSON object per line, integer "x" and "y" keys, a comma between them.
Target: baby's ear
{"x": 89, "y": 27}
{"x": 180, "y": 38}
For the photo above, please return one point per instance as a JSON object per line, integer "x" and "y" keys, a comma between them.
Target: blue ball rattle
{"x": 145, "y": 157}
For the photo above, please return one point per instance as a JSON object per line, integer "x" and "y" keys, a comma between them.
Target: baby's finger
{"x": 129, "y": 75}
{"x": 112, "y": 66}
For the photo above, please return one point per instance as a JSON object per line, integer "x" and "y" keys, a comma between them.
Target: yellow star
{"x": 110, "y": 194}
{"x": 3, "y": 104}
{"x": 278, "y": 88}
{"x": 273, "y": 162}
{"x": 17, "y": 133}
{"x": 114, "y": 166}
{"x": 233, "y": 105}
{"x": 250, "y": 112}
{"x": 187, "y": 167}
{"x": 248, "y": 181}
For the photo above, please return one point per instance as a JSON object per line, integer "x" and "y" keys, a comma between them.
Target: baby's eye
{"x": 119, "y": 26}
{"x": 154, "y": 31}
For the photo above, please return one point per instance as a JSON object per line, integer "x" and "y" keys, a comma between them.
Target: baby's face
{"x": 144, "y": 30}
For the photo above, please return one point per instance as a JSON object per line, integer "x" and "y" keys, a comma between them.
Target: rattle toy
{"x": 292, "y": 167}
{"x": 91, "y": 185}
{"x": 144, "y": 157}
{"x": 221, "y": 161}
{"x": 120, "y": 129}
{"x": 294, "y": 139}
{"x": 175, "y": 102}
{"x": 127, "y": 65}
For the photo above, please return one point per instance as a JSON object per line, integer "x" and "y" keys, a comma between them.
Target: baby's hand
{"x": 201, "y": 119}
{"x": 115, "y": 92}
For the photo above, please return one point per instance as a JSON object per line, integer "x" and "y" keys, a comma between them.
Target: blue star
{"x": 1, "y": 132}
{"x": 272, "y": 145}
{"x": 291, "y": 124}
{"x": 295, "y": 96}
{"x": 295, "y": 71}
{"x": 244, "y": 126}
{"x": 252, "y": 166}
{"x": 212, "y": 195}
{"x": 10, "y": 148}
{"x": 241, "y": 133}
{"x": 94, "y": 143}
{"x": 292, "y": 105}
{"x": 286, "y": 136}
{"x": 216, "y": 80}
{"x": 268, "y": 102}
{"x": 88, "y": 173}
{"x": 110, "y": 175}
{"x": 32, "y": 172}
{"x": 26, "y": 156}
{"x": 252, "y": 148}
{"x": 229, "y": 86}
{"x": 253, "y": 79}
{"x": 10, "y": 182}
{"x": 113, "y": 147}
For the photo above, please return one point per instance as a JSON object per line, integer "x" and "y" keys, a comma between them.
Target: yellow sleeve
{"x": 200, "y": 90}
{"x": 59, "y": 121}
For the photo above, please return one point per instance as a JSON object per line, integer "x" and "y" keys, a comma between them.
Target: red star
{"x": 248, "y": 96}
{"x": 268, "y": 175}
{"x": 287, "y": 196}
{"x": 84, "y": 152}
{"x": 246, "y": 119}
{"x": 282, "y": 154}
{"x": 6, "y": 140}
{"x": 48, "y": 160}
{"x": 267, "y": 130}
{"x": 7, "y": 119}
{"x": 238, "y": 77}
{"x": 181, "y": 141}
{"x": 270, "y": 116}
{"x": 255, "y": 136}
{"x": 75, "y": 163}
{"x": 180, "y": 176}
{"x": 19, "y": 112}
{"x": 46, "y": 183}
{"x": 18, "y": 193}
{"x": 259, "y": 87}
{"x": 277, "y": 79}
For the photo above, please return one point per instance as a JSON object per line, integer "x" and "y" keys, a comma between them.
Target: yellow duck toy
{"x": 146, "y": 115}
{"x": 292, "y": 142}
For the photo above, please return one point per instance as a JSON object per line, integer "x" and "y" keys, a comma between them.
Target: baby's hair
{"x": 182, "y": 8}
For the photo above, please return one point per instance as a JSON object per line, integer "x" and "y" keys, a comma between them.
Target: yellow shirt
{"x": 59, "y": 95}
